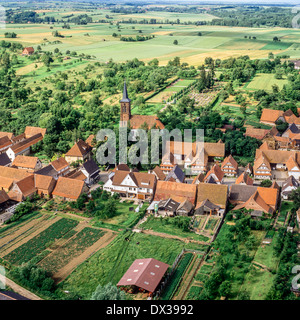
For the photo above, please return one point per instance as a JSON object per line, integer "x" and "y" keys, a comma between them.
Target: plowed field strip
{"x": 44, "y": 226}
{"x": 16, "y": 233}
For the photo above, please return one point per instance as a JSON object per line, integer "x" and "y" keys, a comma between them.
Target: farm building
{"x": 144, "y": 275}
{"x": 179, "y": 192}
{"x": 30, "y": 164}
{"x": 28, "y": 51}
{"x": 68, "y": 189}
{"x": 211, "y": 199}
{"x": 254, "y": 198}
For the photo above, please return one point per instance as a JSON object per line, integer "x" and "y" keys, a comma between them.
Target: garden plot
{"x": 37, "y": 244}
{"x": 17, "y": 236}
{"x": 206, "y": 225}
{"x": 73, "y": 247}
{"x": 168, "y": 92}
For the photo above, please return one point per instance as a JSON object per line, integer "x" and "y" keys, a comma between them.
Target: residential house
{"x": 258, "y": 199}
{"x": 68, "y": 189}
{"x": 229, "y": 166}
{"x": 5, "y": 143}
{"x": 288, "y": 186}
{"x": 296, "y": 64}
{"x": 57, "y": 168}
{"x": 10, "y": 135}
{"x": 268, "y": 160}
{"x": 244, "y": 179}
{"x": 32, "y": 131}
{"x": 44, "y": 185}
{"x": 137, "y": 185}
{"x": 122, "y": 167}
{"x": 176, "y": 174}
{"x": 81, "y": 151}
{"x": 61, "y": 166}
{"x": 12, "y": 174}
{"x": 158, "y": 173}
{"x": 249, "y": 169}
{"x": 23, "y": 147}
{"x": 211, "y": 199}
{"x": 4, "y": 160}
{"x": 91, "y": 171}
{"x": 214, "y": 175}
{"x": 91, "y": 141}
{"x": 270, "y": 116}
{"x": 199, "y": 178}
{"x": 30, "y": 164}
{"x": 193, "y": 156}
{"x": 23, "y": 189}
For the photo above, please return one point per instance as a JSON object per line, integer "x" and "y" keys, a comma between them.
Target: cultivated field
{"x": 218, "y": 42}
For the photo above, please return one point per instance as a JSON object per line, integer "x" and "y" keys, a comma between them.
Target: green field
{"x": 266, "y": 81}
{"x": 218, "y": 42}
{"x": 161, "y": 225}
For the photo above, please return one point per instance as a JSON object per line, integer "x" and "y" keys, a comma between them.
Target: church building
{"x": 136, "y": 121}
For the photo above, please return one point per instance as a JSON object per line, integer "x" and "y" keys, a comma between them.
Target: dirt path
{"x": 68, "y": 268}
{"x": 17, "y": 244}
{"x": 170, "y": 236}
{"x": 261, "y": 265}
{"x": 18, "y": 289}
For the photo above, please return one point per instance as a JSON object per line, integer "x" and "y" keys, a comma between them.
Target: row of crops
{"x": 176, "y": 277}
{"x": 40, "y": 242}
{"x": 73, "y": 248}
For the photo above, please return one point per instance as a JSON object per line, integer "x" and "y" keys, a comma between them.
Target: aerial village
{"x": 215, "y": 181}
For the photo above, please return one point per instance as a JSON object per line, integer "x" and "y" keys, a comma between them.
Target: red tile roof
{"x": 145, "y": 274}
{"x": 68, "y": 188}
{"x": 79, "y": 149}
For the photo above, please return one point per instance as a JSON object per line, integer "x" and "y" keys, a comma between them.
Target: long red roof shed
{"x": 145, "y": 274}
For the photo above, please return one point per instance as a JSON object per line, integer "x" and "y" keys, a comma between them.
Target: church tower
{"x": 125, "y": 113}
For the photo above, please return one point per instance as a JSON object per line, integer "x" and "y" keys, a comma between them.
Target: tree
{"x": 46, "y": 59}
{"x": 108, "y": 292}
{"x": 175, "y": 42}
{"x": 225, "y": 288}
{"x": 266, "y": 183}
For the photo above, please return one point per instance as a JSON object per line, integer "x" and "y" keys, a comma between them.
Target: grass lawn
{"x": 258, "y": 283}
{"x": 265, "y": 81}
{"x": 161, "y": 225}
{"x": 265, "y": 254}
